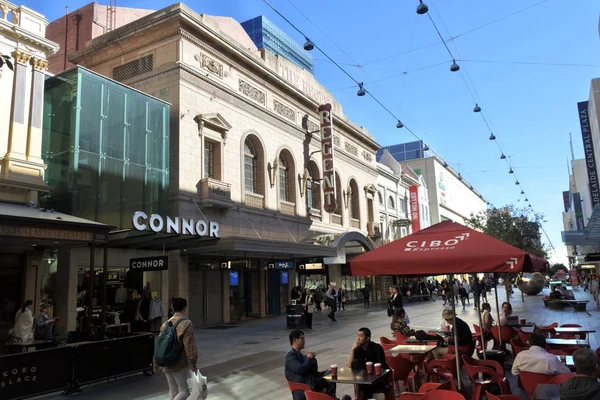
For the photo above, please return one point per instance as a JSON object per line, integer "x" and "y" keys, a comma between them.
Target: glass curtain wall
{"x": 106, "y": 147}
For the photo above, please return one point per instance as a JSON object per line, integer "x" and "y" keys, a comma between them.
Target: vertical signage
{"x": 566, "y": 200}
{"x": 325, "y": 117}
{"x": 578, "y": 211}
{"x": 415, "y": 213}
{"x": 588, "y": 150}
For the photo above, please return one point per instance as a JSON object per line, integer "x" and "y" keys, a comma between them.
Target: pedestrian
{"x": 477, "y": 289}
{"x": 366, "y": 292}
{"x": 332, "y": 295}
{"x": 467, "y": 287}
{"x": 395, "y": 301}
{"x": 595, "y": 287}
{"x": 181, "y": 370}
{"x": 342, "y": 299}
{"x": 318, "y": 299}
{"x": 309, "y": 307}
{"x": 462, "y": 292}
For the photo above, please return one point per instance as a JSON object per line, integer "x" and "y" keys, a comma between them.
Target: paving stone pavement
{"x": 246, "y": 362}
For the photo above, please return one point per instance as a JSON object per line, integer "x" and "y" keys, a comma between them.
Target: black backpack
{"x": 168, "y": 347}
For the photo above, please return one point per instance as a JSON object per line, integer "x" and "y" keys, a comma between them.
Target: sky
{"x": 526, "y": 63}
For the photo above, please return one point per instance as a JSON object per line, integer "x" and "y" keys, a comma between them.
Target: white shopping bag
{"x": 198, "y": 387}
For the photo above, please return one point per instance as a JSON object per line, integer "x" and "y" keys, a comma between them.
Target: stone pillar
{"x": 17, "y": 131}
{"x": 35, "y": 270}
{"x": 66, "y": 291}
{"x": 36, "y": 107}
{"x": 226, "y": 305}
{"x": 335, "y": 274}
{"x": 177, "y": 276}
{"x": 262, "y": 289}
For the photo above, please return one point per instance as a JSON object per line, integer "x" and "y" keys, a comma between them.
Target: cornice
{"x": 19, "y": 34}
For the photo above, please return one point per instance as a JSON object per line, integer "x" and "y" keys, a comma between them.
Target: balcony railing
{"x": 287, "y": 208}
{"x": 10, "y": 12}
{"x": 336, "y": 219}
{"x": 254, "y": 200}
{"x": 214, "y": 193}
{"x": 354, "y": 223}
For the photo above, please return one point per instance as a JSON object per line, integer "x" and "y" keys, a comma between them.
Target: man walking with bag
{"x": 332, "y": 295}
{"x": 176, "y": 351}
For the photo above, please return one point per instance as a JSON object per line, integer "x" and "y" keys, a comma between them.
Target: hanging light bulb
{"x": 459, "y": 177}
{"x": 492, "y": 137}
{"x": 425, "y": 148}
{"x": 526, "y": 199}
{"x": 422, "y": 8}
{"x": 399, "y": 124}
{"x": 361, "y": 90}
{"x": 445, "y": 164}
{"x": 522, "y": 192}
{"x": 516, "y": 182}
{"x": 477, "y": 108}
{"x": 510, "y": 171}
{"x": 502, "y": 157}
{"x": 455, "y": 67}
{"x": 308, "y": 45}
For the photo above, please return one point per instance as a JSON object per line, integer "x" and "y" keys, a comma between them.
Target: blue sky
{"x": 506, "y": 66}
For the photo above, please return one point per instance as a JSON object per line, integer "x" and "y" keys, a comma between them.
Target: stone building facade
{"x": 246, "y": 154}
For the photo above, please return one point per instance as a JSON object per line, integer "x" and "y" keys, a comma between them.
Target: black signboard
{"x": 592, "y": 257}
{"x": 578, "y": 211}
{"x": 34, "y": 373}
{"x": 160, "y": 263}
{"x": 588, "y": 151}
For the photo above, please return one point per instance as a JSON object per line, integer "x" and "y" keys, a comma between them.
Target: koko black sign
{"x": 588, "y": 150}
{"x": 160, "y": 263}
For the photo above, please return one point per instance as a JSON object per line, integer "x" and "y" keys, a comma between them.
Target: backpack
{"x": 168, "y": 347}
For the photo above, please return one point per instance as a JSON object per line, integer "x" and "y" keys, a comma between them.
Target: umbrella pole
{"x": 498, "y": 312}
{"x": 483, "y": 343}
{"x": 454, "y": 332}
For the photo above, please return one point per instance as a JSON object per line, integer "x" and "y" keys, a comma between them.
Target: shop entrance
{"x": 11, "y": 287}
{"x": 206, "y": 305}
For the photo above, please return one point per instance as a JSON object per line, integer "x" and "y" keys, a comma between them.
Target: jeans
{"x": 366, "y": 301}
{"x": 178, "y": 386}
{"x": 462, "y": 299}
{"x": 309, "y": 318}
{"x": 476, "y": 300}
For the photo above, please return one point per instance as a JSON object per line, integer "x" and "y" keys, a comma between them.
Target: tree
{"x": 6, "y": 59}
{"x": 515, "y": 226}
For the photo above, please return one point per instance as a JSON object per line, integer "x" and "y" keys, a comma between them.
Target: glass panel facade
{"x": 106, "y": 147}
{"x": 405, "y": 151}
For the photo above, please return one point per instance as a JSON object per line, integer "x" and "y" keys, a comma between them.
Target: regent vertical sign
{"x": 328, "y": 184}
{"x": 414, "y": 208}
{"x": 588, "y": 150}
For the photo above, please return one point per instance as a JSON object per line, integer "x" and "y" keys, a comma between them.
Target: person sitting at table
{"x": 364, "y": 350}
{"x": 584, "y": 385}
{"x": 300, "y": 368}
{"x": 24, "y": 323}
{"x": 565, "y": 294}
{"x": 44, "y": 323}
{"x": 505, "y": 313}
{"x": 463, "y": 332}
{"x": 536, "y": 359}
{"x": 399, "y": 324}
{"x": 322, "y": 386}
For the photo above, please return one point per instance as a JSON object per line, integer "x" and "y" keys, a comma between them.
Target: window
{"x": 391, "y": 203}
{"x": 284, "y": 194}
{"x": 250, "y": 177}
{"x": 209, "y": 159}
{"x": 354, "y": 204}
{"x": 380, "y": 197}
{"x": 309, "y": 193}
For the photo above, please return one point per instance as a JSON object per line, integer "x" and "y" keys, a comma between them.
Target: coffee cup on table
{"x": 334, "y": 369}
{"x": 378, "y": 370}
{"x": 369, "y": 367}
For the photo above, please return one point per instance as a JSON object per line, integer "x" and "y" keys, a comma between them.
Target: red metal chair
{"x": 524, "y": 336}
{"x": 429, "y": 386}
{"x": 443, "y": 376}
{"x": 405, "y": 371}
{"x": 310, "y": 395}
{"x": 482, "y": 373}
{"x": 481, "y": 341}
{"x": 297, "y": 386}
{"x": 549, "y": 329}
{"x": 384, "y": 340}
{"x": 410, "y": 396}
{"x": 530, "y": 380}
{"x": 400, "y": 338}
{"x": 518, "y": 346}
{"x": 560, "y": 379}
{"x": 502, "y": 397}
{"x": 387, "y": 347}
{"x": 507, "y": 334}
{"x": 570, "y": 335}
{"x": 442, "y": 395}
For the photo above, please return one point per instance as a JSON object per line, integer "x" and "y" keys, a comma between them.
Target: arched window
{"x": 354, "y": 205}
{"x": 380, "y": 196}
{"x": 391, "y": 203}
{"x": 284, "y": 178}
{"x": 250, "y": 167}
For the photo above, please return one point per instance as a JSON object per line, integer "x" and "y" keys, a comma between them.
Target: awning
{"x": 149, "y": 240}
{"x": 444, "y": 248}
{"x": 590, "y": 236}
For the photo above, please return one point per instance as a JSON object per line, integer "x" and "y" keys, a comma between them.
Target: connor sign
{"x": 326, "y": 119}
{"x": 177, "y": 225}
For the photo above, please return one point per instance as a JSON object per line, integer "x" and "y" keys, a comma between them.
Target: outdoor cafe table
{"x": 355, "y": 377}
{"x": 543, "y": 391}
{"x": 566, "y": 342}
{"x": 412, "y": 349}
{"x": 574, "y": 330}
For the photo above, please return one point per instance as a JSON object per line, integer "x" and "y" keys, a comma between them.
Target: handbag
{"x": 390, "y": 311}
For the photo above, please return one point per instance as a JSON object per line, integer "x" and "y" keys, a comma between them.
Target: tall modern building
{"x": 266, "y": 35}
{"x": 406, "y": 151}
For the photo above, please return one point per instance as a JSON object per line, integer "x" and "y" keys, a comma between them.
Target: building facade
{"x": 246, "y": 152}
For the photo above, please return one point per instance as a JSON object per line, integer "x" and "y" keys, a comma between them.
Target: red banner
{"x": 415, "y": 212}
{"x": 328, "y": 185}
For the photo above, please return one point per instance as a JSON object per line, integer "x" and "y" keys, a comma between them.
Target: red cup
{"x": 369, "y": 367}
{"x": 333, "y": 369}
{"x": 522, "y": 321}
{"x": 378, "y": 370}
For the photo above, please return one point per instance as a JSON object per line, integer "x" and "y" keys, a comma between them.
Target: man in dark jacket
{"x": 584, "y": 385}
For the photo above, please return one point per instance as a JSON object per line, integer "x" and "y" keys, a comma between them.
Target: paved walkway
{"x": 246, "y": 361}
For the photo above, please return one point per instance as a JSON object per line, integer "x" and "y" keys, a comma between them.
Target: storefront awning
{"x": 23, "y": 226}
{"x": 149, "y": 240}
{"x": 590, "y": 236}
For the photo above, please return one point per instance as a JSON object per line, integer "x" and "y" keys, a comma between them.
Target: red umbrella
{"x": 444, "y": 248}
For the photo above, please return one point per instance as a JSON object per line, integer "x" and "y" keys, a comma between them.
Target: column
{"x": 66, "y": 291}
{"x": 36, "y": 108}
{"x": 262, "y": 289}
{"x": 35, "y": 270}
{"x": 335, "y": 274}
{"x": 226, "y": 300}
{"x": 17, "y": 131}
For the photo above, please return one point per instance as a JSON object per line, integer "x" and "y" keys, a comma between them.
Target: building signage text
{"x": 415, "y": 214}
{"x": 326, "y": 119}
{"x": 432, "y": 245}
{"x": 159, "y": 263}
{"x": 282, "y": 265}
{"x": 588, "y": 150}
{"x": 177, "y": 225}
{"x": 304, "y": 86}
